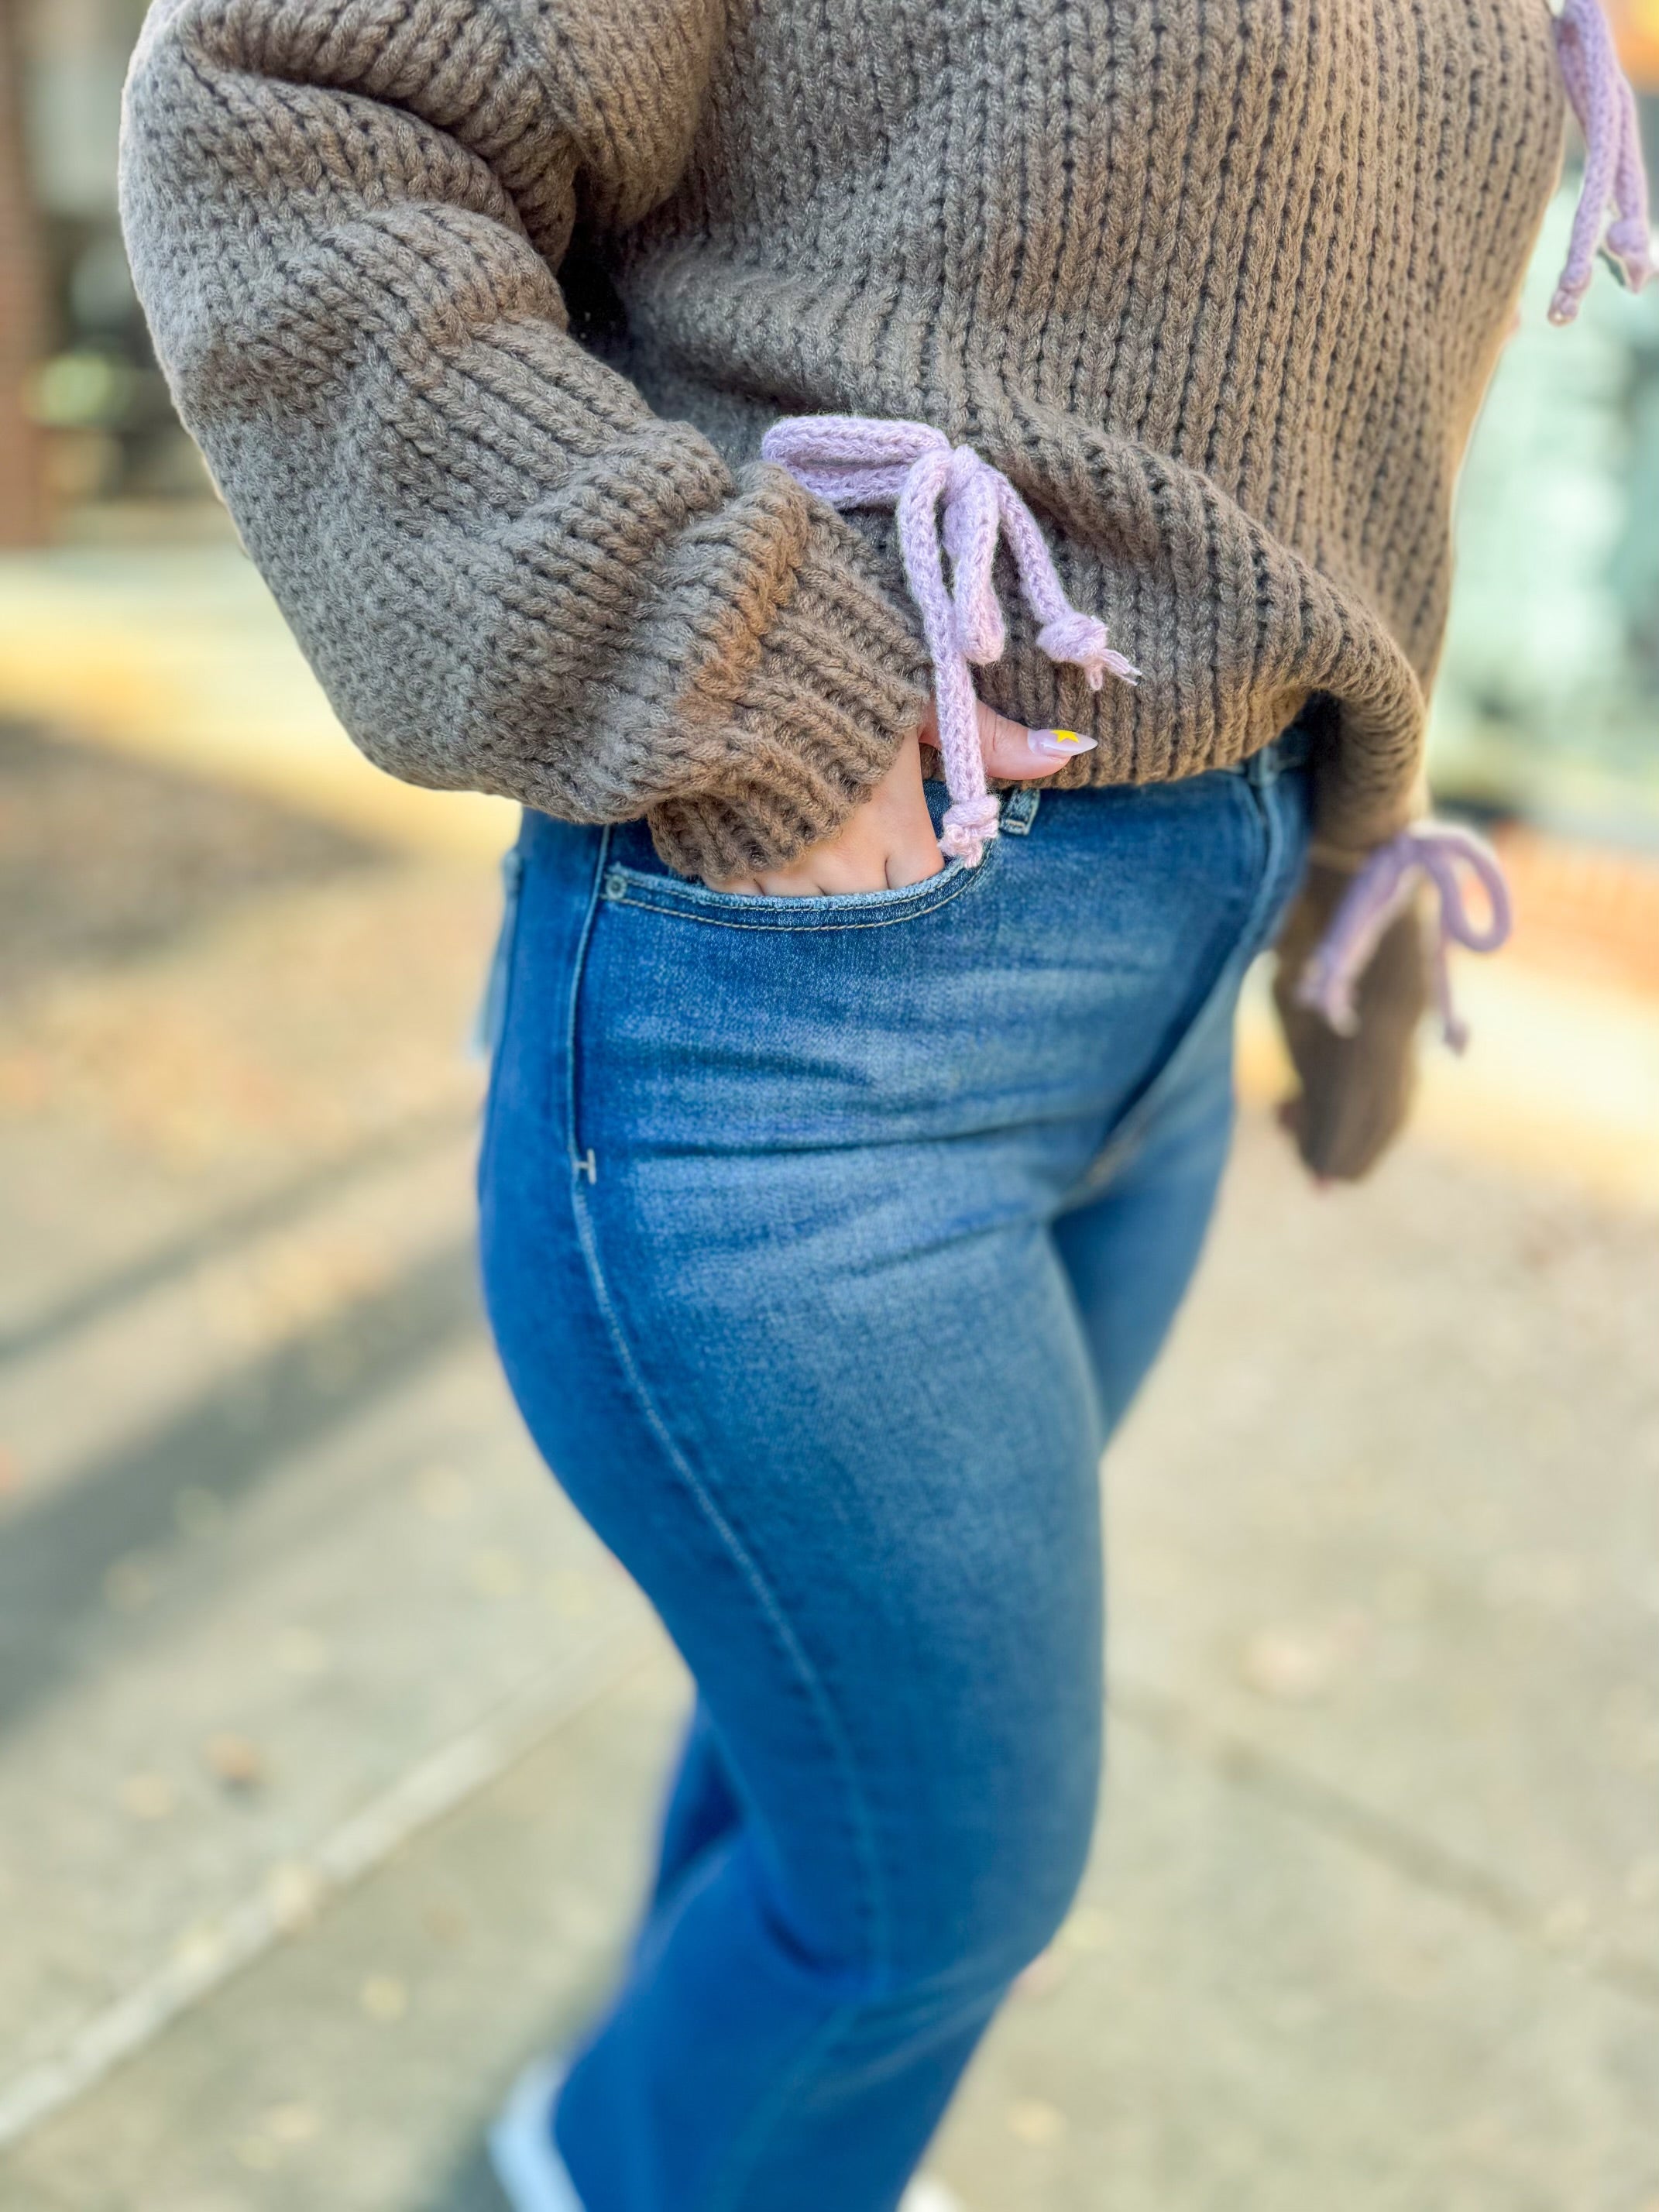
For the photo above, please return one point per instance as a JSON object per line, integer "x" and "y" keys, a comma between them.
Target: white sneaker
{"x": 927, "y": 2195}
{"x": 530, "y": 2172}
{"x": 533, "y": 2175}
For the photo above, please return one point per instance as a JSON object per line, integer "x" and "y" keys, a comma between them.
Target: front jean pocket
{"x": 624, "y": 886}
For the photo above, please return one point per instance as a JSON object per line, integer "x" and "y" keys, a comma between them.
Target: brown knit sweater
{"x": 479, "y": 308}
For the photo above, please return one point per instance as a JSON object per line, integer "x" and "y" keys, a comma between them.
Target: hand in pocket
{"x": 887, "y": 840}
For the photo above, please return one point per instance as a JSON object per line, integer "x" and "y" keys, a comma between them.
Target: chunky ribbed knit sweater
{"x": 479, "y": 309}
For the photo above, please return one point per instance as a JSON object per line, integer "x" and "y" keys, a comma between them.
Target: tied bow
{"x": 854, "y": 460}
{"x": 1431, "y": 851}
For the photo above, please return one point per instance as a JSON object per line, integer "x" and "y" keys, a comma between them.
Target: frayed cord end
{"x": 1080, "y": 640}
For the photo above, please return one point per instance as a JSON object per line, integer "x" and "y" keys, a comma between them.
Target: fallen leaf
{"x": 234, "y": 1760}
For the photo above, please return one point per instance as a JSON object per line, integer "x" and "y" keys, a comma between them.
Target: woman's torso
{"x": 1220, "y": 287}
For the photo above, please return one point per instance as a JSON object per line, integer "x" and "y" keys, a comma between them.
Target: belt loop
{"x": 1291, "y": 749}
{"x": 1261, "y": 770}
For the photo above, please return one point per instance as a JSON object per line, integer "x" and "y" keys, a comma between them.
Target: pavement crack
{"x": 1404, "y": 1851}
{"x": 230, "y": 1440}
{"x": 294, "y": 1895}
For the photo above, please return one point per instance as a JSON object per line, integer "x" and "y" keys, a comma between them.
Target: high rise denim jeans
{"x": 825, "y": 1240}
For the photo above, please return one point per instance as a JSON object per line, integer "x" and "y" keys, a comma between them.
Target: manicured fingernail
{"x": 1059, "y": 744}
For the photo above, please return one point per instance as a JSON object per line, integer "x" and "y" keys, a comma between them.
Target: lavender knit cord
{"x": 1613, "y": 174}
{"x": 1606, "y": 108}
{"x": 854, "y": 460}
{"x": 1382, "y": 889}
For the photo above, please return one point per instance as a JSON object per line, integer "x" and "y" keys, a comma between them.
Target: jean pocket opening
{"x": 625, "y": 886}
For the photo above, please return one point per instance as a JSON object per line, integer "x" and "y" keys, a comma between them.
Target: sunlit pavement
{"x": 328, "y": 1740}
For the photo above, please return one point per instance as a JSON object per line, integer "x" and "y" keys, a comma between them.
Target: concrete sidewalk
{"x": 1374, "y": 1917}
{"x": 329, "y": 1741}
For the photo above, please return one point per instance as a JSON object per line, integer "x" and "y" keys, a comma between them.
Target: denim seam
{"x": 805, "y": 1676}
{"x": 872, "y": 1912}
{"x": 801, "y": 1671}
{"x": 752, "y": 2139}
{"x": 498, "y": 1008}
{"x": 1121, "y": 1144}
{"x": 578, "y": 970}
{"x": 1269, "y": 808}
{"x": 691, "y": 909}
{"x": 771, "y": 1611}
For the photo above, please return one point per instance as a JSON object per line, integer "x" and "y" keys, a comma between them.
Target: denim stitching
{"x": 724, "y": 1530}
{"x": 496, "y": 1009}
{"x": 959, "y": 877}
{"x": 752, "y": 2140}
{"x": 578, "y": 968}
{"x": 800, "y": 1671}
{"x": 804, "y": 1675}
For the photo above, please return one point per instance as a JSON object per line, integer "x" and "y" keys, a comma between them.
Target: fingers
{"x": 1014, "y": 754}
{"x": 886, "y": 863}
{"x": 884, "y": 844}
{"x": 1020, "y": 755}
{"x": 887, "y": 842}
{"x": 919, "y": 858}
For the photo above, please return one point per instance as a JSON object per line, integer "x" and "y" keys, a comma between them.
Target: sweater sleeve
{"x": 1354, "y": 1093}
{"x": 345, "y": 219}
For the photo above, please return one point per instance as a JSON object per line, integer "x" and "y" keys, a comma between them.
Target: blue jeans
{"x": 825, "y": 1240}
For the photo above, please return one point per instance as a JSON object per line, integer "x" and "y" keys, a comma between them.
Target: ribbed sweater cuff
{"x": 838, "y": 681}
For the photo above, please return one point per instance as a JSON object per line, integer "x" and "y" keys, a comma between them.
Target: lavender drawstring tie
{"x": 1613, "y": 175}
{"x": 853, "y": 460}
{"x": 1606, "y": 108}
{"x": 1381, "y": 889}
{"x": 857, "y": 461}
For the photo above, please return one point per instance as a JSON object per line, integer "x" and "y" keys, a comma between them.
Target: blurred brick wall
{"x": 22, "y": 500}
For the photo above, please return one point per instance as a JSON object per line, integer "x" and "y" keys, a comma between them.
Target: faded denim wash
{"x": 825, "y": 1241}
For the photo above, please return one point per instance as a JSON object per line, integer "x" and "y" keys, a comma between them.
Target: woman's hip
{"x": 1018, "y": 1015}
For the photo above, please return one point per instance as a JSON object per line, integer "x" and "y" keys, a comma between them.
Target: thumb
{"x": 1018, "y": 754}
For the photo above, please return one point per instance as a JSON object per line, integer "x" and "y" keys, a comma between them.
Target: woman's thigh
{"x": 1130, "y": 1251}
{"x": 830, "y": 1405}
{"x": 1131, "y": 1236}
{"x": 768, "y": 1206}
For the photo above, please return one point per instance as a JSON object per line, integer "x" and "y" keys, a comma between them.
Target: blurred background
{"x": 328, "y": 1740}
